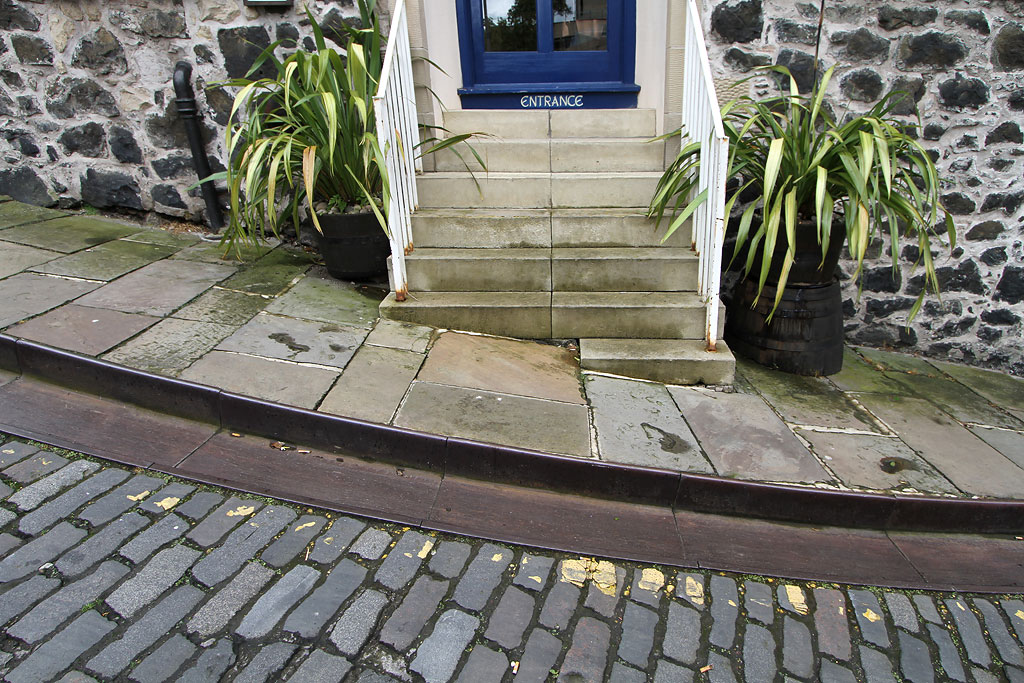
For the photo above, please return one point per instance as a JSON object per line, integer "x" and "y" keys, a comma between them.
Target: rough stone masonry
{"x": 962, "y": 64}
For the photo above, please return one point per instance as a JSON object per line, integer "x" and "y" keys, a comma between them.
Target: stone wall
{"x": 87, "y": 110}
{"x": 963, "y": 62}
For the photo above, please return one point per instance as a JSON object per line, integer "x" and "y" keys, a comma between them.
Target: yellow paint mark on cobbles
{"x": 960, "y": 605}
{"x": 1019, "y": 614}
{"x": 496, "y": 557}
{"x": 871, "y": 616}
{"x": 304, "y": 526}
{"x": 604, "y": 578}
{"x": 168, "y": 502}
{"x": 425, "y": 550}
{"x": 139, "y": 497}
{"x": 796, "y": 598}
{"x": 536, "y": 578}
{"x": 329, "y": 540}
{"x": 694, "y": 591}
{"x": 732, "y": 603}
{"x": 669, "y": 588}
{"x": 241, "y": 511}
{"x": 9, "y": 451}
{"x": 45, "y": 461}
{"x": 601, "y": 573}
{"x": 651, "y": 580}
{"x": 574, "y": 572}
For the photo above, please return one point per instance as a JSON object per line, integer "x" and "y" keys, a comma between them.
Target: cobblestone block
{"x": 17, "y": 599}
{"x": 29, "y": 557}
{"x": 638, "y": 624}
{"x": 143, "y": 632}
{"x": 690, "y": 587}
{"x": 211, "y": 665}
{"x": 482, "y": 577}
{"x": 667, "y": 672}
{"x": 603, "y": 599}
{"x": 449, "y": 558}
{"x": 404, "y": 560}
{"x": 267, "y": 662}
{"x": 1015, "y": 611}
{"x": 915, "y": 660}
{"x": 902, "y": 612}
{"x": 440, "y": 653}
{"x": 168, "y": 498}
{"x": 14, "y": 451}
{"x": 35, "y": 467}
{"x": 320, "y": 667}
{"x": 49, "y": 614}
{"x": 533, "y": 571}
{"x": 926, "y": 608}
{"x": 830, "y": 621}
{"x": 5, "y": 491}
{"x": 84, "y": 556}
{"x": 877, "y": 667}
{"x": 166, "y": 530}
{"x": 121, "y": 499}
{"x": 199, "y": 505}
{"x": 63, "y": 505}
{"x": 6, "y": 517}
{"x": 793, "y": 599}
{"x": 797, "y": 655}
{"x": 243, "y": 543}
{"x": 156, "y": 576}
{"x": 1008, "y": 647}
{"x": 484, "y": 666}
{"x": 833, "y": 673}
{"x": 949, "y": 656}
{"x": 724, "y": 610}
{"x": 982, "y": 676}
{"x": 8, "y": 543}
{"x": 539, "y": 657}
{"x": 588, "y": 654}
{"x": 375, "y": 677}
{"x": 721, "y": 669}
{"x": 310, "y": 616}
{"x": 164, "y": 661}
{"x": 510, "y": 618}
{"x": 298, "y": 537}
{"x": 356, "y": 624}
{"x": 335, "y": 540}
{"x": 406, "y": 622}
{"x": 58, "y": 653}
{"x": 222, "y": 520}
{"x": 273, "y": 604}
{"x": 970, "y": 632}
{"x": 371, "y": 544}
{"x": 757, "y": 599}
{"x": 758, "y": 655}
{"x": 682, "y": 634}
{"x": 559, "y": 605}
{"x": 33, "y": 495}
{"x": 870, "y": 617}
{"x": 76, "y": 677}
{"x": 626, "y": 674}
{"x": 229, "y": 600}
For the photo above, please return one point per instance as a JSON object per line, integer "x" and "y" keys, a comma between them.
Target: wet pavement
{"x": 274, "y": 326}
{"x": 108, "y": 573}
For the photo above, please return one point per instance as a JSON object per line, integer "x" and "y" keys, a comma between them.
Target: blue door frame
{"x": 546, "y": 78}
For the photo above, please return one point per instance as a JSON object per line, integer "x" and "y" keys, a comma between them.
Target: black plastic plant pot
{"x": 353, "y": 245}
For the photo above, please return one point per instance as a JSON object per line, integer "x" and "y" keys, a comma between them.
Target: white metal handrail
{"x": 398, "y": 136}
{"x": 702, "y": 122}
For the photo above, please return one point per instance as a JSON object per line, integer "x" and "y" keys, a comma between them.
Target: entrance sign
{"x": 551, "y": 101}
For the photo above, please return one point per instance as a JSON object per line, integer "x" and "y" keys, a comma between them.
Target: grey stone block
{"x": 371, "y": 544}
{"x": 758, "y": 601}
{"x": 23, "y": 596}
{"x": 58, "y": 653}
{"x": 168, "y": 498}
{"x": 440, "y": 653}
{"x": 600, "y": 601}
{"x": 759, "y": 655}
{"x": 970, "y": 632}
{"x": 310, "y": 616}
{"x": 270, "y": 659}
{"x": 949, "y": 656}
{"x": 222, "y": 520}
{"x": 84, "y": 556}
{"x": 14, "y": 451}
{"x": 404, "y": 560}
{"x": 61, "y": 507}
{"x": 229, "y": 600}
{"x": 638, "y": 624}
{"x": 355, "y": 625}
{"x": 298, "y": 537}
{"x": 833, "y": 673}
{"x": 533, "y": 571}
{"x": 797, "y": 655}
{"x": 8, "y": 543}
{"x": 915, "y": 660}
{"x": 721, "y": 669}
{"x": 320, "y": 667}
{"x": 647, "y": 586}
{"x": 164, "y": 661}
{"x": 33, "y": 495}
{"x": 484, "y": 666}
{"x": 926, "y": 608}
{"x": 166, "y": 530}
{"x": 211, "y": 664}
{"x": 38, "y": 465}
{"x": 624, "y": 674}
{"x": 510, "y": 618}
{"x": 793, "y": 599}
{"x": 419, "y": 605}
{"x": 690, "y": 587}
{"x": 682, "y": 634}
{"x": 274, "y": 603}
{"x": 156, "y": 576}
{"x": 335, "y": 540}
{"x": 877, "y": 667}
{"x": 870, "y": 617}
{"x": 667, "y": 672}
{"x": 243, "y": 543}
{"x": 588, "y": 653}
{"x": 724, "y": 610}
{"x": 121, "y": 499}
{"x": 902, "y": 611}
{"x": 559, "y": 605}
{"x": 198, "y": 505}
{"x": 482, "y": 577}
{"x": 831, "y": 623}
{"x": 541, "y": 653}
{"x": 1008, "y": 647}
{"x": 449, "y": 558}
{"x": 29, "y": 557}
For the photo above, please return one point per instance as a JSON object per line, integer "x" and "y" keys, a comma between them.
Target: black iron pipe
{"x": 189, "y": 112}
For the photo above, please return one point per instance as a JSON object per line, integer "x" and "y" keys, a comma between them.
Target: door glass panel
{"x": 580, "y": 24}
{"x": 510, "y": 25}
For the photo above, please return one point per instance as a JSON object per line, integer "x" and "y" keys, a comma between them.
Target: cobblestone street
{"x": 111, "y": 574}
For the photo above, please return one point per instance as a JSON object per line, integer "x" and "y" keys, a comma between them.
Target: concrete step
{"x": 451, "y": 189}
{"x": 512, "y": 314}
{"x": 623, "y": 269}
{"x": 479, "y": 270}
{"x": 558, "y": 156}
{"x": 524, "y": 228}
{"x": 575, "y": 123}
{"x": 627, "y": 315}
{"x": 671, "y": 361}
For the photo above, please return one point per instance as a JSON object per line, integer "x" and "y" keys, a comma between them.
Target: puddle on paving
{"x": 289, "y": 341}
{"x": 669, "y": 442}
{"x": 896, "y": 464}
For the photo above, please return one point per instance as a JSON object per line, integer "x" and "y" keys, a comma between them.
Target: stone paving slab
{"x": 107, "y": 261}
{"x": 496, "y": 418}
{"x": 222, "y": 306}
{"x": 165, "y": 237}
{"x": 302, "y": 341}
{"x": 398, "y": 335}
{"x": 214, "y": 252}
{"x": 999, "y": 388}
{"x": 170, "y": 346}
{"x": 271, "y": 274}
{"x": 17, "y": 213}
{"x": 373, "y": 384}
{"x": 504, "y": 366}
{"x": 960, "y": 402}
{"x": 322, "y": 298}
{"x": 287, "y": 383}
{"x": 25, "y": 295}
{"x": 1009, "y": 443}
{"x": 82, "y": 328}
{"x": 69, "y": 233}
{"x": 15, "y": 258}
{"x": 159, "y": 288}
{"x": 860, "y": 375}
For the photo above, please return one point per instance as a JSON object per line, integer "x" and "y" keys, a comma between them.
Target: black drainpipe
{"x": 189, "y": 113}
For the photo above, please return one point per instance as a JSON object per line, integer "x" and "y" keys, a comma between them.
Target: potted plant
{"x": 813, "y": 184}
{"x": 307, "y": 144}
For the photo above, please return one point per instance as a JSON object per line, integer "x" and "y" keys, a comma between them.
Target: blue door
{"x": 547, "y": 54}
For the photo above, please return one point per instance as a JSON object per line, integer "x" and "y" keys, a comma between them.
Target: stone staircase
{"x": 552, "y": 242}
